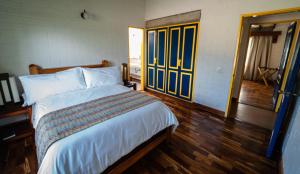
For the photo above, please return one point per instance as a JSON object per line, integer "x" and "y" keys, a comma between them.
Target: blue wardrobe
{"x": 171, "y": 53}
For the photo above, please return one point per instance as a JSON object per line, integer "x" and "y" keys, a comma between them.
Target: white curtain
{"x": 258, "y": 54}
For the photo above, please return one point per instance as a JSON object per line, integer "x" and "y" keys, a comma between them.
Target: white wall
{"x": 217, "y": 41}
{"x": 51, "y": 33}
{"x": 277, "y": 48}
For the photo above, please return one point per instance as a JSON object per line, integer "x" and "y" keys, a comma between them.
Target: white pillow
{"x": 71, "y": 79}
{"x": 37, "y": 87}
{"x": 96, "y": 77}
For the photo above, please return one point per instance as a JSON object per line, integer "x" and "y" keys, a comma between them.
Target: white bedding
{"x": 96, "y": 148}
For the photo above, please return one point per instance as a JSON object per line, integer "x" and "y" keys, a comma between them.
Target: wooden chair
{"x": 265, "y": 73}
{"x": 5, "y": 77}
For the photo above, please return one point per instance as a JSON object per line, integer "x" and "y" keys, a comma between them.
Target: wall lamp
{"x": 84, "y": 14}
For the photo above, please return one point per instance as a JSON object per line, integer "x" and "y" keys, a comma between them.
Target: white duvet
{"x": 94, "y": 149}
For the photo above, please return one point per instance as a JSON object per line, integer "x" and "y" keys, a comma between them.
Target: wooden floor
{"x": 203, "y": 143}
{"x": 256, "y": 94}
{"x": 254, "y": 105}
{"x": 253, "y": 115}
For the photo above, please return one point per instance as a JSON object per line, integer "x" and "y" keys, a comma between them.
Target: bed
{"x": 110, "y": 146}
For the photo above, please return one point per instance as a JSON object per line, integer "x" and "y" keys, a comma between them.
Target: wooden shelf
{"x": 22, "y": 130}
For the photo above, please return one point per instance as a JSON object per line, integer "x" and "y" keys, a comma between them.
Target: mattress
{"x": 94, "y": 149}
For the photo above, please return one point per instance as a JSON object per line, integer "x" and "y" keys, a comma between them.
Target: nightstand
{"x": 15, "y": 132}
{"x": 130, "y": 84}
{"x": 22, "y": 128}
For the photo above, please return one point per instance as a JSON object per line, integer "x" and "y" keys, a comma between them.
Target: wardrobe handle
{"x": 155, "y": 60}
{"x": 178, "y": 62}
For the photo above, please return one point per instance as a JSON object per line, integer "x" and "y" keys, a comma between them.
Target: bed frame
{"x": 128, "y": 160}
{"x": 35, "y": 69}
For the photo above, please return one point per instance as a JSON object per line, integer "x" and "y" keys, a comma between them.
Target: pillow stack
{"x": 37, "y": 87}
{"x": 96, "y": 77}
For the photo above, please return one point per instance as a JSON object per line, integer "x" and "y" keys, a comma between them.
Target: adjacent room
{"x": 262, "y": 61}
{"x": 149, "y": 86}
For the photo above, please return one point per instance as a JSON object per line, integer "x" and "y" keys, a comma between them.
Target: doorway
{"x": 262, "y": 62}
{"x": 136, "y": 56}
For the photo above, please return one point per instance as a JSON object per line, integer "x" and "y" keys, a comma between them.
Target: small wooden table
{"x": 18, "y": 131}
{"x": 130, "y": 85}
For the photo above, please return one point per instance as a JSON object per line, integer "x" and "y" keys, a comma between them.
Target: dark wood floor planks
{"x": 254, "y": 105}
{"x": 203, "y": 143}
{"x": 256, "y": 94}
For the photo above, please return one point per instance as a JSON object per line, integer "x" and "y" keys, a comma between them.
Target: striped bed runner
{"x": 62, "y": 123}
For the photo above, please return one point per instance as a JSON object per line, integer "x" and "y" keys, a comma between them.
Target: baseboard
{"x": 211, "y": 110}
{"x": 193, "y": 104}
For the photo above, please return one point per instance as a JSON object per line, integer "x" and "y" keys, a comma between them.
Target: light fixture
{"x": 84, "y": 14}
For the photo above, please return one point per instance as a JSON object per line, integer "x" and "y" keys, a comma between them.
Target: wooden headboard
{"x": 35, "y": 69}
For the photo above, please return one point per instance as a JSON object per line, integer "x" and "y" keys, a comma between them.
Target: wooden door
{"x": 156, "y": 58}
{"x": 182, "y": 49}
{"x": 288, "y": 94}
{"x": 171, "y": 53}
{"x": 187, "y": 61}
{"x": 162, "y": 35}
{"x": 151, "y": 58}
{"x": 283, "y": 62}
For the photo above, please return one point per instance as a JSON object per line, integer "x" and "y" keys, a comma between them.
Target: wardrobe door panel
{"x": 171, "y": 58}
{"x": 188, "y": 52}
{"x": 160, "y": 81}
{"x": 151, "y": 48}
{"x": 174, "y": 47}
{"x": 162, "y": 48}
{"x": 151, "y": 77}
{"x": 185, "y": 85}
{"x": 172, "y": 82}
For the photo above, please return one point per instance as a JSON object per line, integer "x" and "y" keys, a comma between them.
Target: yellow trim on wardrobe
{"x": 195, "y": 62}
{"x": 153, "y": 48}
{"x": 153, "y": 77}
{"x": 178, "y": 47}
{"x": 183, "y": 47}
{"x": 143, "y": 62}
{"x": 165, "y": 46}
{"x": 176, "y": 81}
{"x": 164, "y": 75}
{"x": 190, "y": 83}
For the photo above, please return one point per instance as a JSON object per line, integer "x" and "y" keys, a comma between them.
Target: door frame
{"x": 142, "y": 57}
{"x": 244, "y": 63}
{"x": 241, "y": 76}
{"x": 237, "y": 50}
